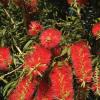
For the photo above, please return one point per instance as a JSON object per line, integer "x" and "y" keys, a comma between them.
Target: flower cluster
{"x": 81, "y": 59}
{"x": 38, "y": 59}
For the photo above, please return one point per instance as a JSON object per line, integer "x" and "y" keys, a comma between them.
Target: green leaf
{"x": 64, "y": 51}
{"x": 27, "y": 45}
{"x": 11, "y": 85}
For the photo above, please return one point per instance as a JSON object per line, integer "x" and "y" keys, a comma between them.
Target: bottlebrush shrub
{"x": 96, "y": 30}
{"x": 96, "y": 81}
{"x": 50, "y": 38}
{"x": 61, "y": 85}
{"x": 80, "y": 2}
{"x": 17, "y": 32}
{"x": 34, "y": 28}
{"x": 5, "y": 58}
{"x": 81, "y": 59}
{"x": 38, "y": 59}
{"x": 24, "y": 90}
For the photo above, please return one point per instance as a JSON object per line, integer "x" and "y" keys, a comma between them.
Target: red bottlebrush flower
{"x": 24, "y": 90}
{"x": 80, "y": 2}
{"x": 38, "y": 59}
{"x": 34, "y": 28}
{"x": 81, "y": 59}
{"x": 50, "y": 38}
{"x": 61, "y": 81}
{"x": 5, "y": 58}
{"x": 96, "y": 30}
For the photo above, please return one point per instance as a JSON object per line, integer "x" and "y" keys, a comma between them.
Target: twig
{"x": 19, "y": 49}
{"x": 5, "y": 81}
{"x": 10, "y": 72}
{"x": 2, "y": 77}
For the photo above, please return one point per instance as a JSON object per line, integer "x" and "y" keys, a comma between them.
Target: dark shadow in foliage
{"x": 62, "y": 7}
{"x": 1, "y": 97}
{"x": 89, "y": 13}
{"x": 91, "y": 96}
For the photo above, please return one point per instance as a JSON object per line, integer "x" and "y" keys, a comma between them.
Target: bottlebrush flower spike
{"x": 96, "y": 30}
{"x": 38, "y": 59}
{"x": 34, "y": 28}
{"x": 81, "y": 60}
{"x": 80, "y": 2}
{"x": 5, "y": 58}
{"x": 24, "y": 90}
{"x": 61, "y": 81}
{"x": 50, "y": 38}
